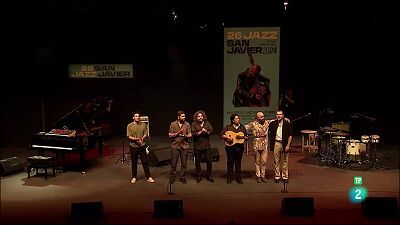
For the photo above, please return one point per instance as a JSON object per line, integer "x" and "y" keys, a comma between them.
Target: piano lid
{"x": 73, "y": 120}
{"x": 85, "y": 116}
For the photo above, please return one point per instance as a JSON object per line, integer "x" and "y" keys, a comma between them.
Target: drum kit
{"x": 337, "y": 148}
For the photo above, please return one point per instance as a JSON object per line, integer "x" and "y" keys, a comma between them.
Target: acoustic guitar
{"x": 237, "y": 138}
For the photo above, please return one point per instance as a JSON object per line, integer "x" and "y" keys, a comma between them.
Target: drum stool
{"x": 309, "y": 140}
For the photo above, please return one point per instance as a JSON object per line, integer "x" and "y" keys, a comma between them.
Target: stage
{"x": 107, "y": 180}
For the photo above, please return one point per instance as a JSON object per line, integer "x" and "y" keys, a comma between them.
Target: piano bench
{"x": 40, "y": 162}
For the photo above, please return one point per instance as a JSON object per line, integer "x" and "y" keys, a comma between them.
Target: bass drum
{"x": 356, "y": 150}
{"x": 355, "y": 147}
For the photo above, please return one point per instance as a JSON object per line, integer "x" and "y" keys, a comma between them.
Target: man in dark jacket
{"x": 201, "y": 131}
{"x": 280, "y": 139}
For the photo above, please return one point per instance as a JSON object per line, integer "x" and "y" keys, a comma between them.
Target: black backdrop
{"x": 333, "y": 54}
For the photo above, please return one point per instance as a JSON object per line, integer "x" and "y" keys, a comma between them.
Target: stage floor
{"x": 36, "y": 200}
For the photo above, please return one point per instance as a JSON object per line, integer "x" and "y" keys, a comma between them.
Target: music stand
{"x": 123, "y": 158}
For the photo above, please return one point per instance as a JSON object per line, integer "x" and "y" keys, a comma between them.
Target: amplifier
{"x": 10, "y": 166}
{"x": 212, "y": 154}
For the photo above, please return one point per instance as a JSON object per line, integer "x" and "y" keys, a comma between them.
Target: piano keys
{"x": 51, "y": 147}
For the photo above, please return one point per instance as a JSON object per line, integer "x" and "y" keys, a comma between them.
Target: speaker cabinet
{"x": 160, "y": 157}
{"x": 10, "y": 166}
{"x": 168, "y": 208}
{"x": 212, "y": 154}
{"x": 298, "y": 206}
{"x": 87, "y": 211}
{"x": 380, "y": 207}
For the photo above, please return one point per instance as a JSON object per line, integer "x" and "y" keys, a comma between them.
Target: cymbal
{"x": 338, "y": 137}
{"x": 341, "y": 134}
{"x": 328, "y": 129}
{"x": 330, "y": 132}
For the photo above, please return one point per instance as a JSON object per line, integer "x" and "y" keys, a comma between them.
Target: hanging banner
{"x": 251, "y": 72}
{"x": 100, "y": 71}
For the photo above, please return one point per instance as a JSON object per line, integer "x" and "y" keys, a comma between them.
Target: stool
{"x": 309, "y": 140}
{"x": 40, "y": 162}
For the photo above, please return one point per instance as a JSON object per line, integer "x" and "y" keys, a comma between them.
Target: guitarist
{"x": 234, "y": 152}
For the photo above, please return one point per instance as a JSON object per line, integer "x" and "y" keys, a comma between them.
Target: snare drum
{"x": 375, "y": 138}
{"x": 364, "y": 138}
{"x": 338, "y": 140}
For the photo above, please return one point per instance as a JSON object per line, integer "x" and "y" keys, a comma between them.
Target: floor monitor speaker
{"x": 168, "y": 208}
{"x": 10, "y": 166}
{"x": 298, "y": 206}
{"x": 212, "y": 155}
{"x": 160, "y": 157}
{"x": 380, "y": 207}
{"x": 86, "y": 210}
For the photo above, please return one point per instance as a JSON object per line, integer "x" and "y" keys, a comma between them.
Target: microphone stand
{"x": 366, "y": 117}
{"x": 283, "y": 155}
{"x": 301, "y": 117}
{"x": 169, "y": 188}
{"x": 284, "y": 183}
{"x": 284, "y": 188}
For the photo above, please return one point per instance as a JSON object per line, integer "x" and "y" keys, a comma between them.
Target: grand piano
{"x": 74, "y": 132}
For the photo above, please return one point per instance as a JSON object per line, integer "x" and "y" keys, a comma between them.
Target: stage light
{"x": 174, "y": 15}
{"x": 203, "y": 27}
{"x": 286, "y": 4}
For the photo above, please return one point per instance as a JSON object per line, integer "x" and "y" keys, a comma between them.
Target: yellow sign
{"x": 100, "y": 71}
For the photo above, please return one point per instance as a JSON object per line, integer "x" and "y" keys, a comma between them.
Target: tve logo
{"x": 358, "y": 193}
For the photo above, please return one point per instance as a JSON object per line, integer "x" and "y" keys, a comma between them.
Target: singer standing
{"x": 137, "y": 134}
{"x": 259, "y": 128}
{"x": 280, "y": 139}
{"x": 179, "y": 132}
{"x": 201, "y": 131}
